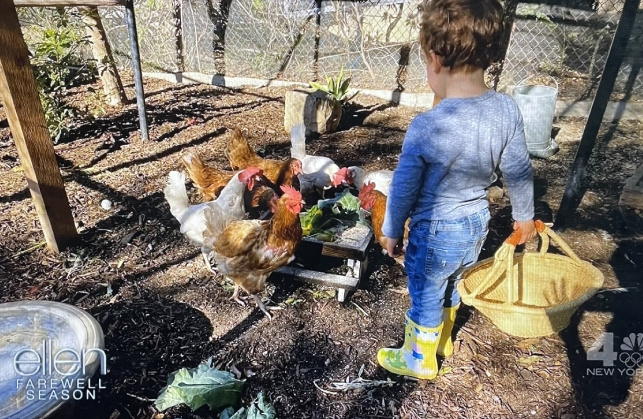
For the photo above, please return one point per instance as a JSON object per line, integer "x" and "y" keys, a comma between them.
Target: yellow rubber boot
{"x": 445, "y": 347}
{"x": 416, "y": 358}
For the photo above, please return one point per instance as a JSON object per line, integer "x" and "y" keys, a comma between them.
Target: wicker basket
{"x": 530, "y": 294}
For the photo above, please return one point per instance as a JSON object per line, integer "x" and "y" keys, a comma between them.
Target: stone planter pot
{"x": 318, "y": 111}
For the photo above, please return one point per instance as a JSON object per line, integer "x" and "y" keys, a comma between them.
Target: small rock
{"x": 106, "y": 204}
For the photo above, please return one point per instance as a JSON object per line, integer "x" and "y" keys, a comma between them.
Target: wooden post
{"x": 30, "y": 134}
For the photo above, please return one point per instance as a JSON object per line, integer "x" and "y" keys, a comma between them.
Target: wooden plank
{"x": 319, "y": 278}
{"x": 352, "y": 244}
{"x": 30, "y": 134}
{"x": 69, "y": 3}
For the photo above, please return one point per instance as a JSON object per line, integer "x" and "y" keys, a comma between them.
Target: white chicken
{"x": 381, "y": 178}
{"x": 228, "y": 206}
{"x": 318, "y": 173}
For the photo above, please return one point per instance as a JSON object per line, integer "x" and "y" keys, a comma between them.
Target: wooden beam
{"x": 319, "y": 278}
{"x": 68, "y": 3}
{"x": 29, "y": 128}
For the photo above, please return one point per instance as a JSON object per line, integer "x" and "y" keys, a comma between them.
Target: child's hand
{"x": 393, "y": 247}
{"x": 527, "y": 230}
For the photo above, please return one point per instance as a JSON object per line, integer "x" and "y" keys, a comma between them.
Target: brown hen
{"x": 241, "y": 155}
{"x": 248, "y": 251}
{"x": 207, "y": 179}
{"x": 375, "y": 201}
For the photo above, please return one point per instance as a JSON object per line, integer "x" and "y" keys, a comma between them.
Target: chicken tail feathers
{"x": 239, "y": 152}
{"x": 195, "y": 165}
{"x": 175, "y": 193}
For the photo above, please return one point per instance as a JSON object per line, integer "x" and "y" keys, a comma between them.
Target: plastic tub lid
{"x": 36, "y": 338}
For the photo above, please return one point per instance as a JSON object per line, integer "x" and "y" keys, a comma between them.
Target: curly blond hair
{"x": 463, "y": 33}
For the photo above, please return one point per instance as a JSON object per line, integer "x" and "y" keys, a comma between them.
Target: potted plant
{"x": 319, "y": 109}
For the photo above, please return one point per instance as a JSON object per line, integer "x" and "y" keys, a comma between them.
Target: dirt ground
{"x": 161, "y": 309}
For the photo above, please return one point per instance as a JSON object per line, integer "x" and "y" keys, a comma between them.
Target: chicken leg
{"x": 261, "y": 306}
{"x": 206, "y": 257}
{"x": 235, "y": 296}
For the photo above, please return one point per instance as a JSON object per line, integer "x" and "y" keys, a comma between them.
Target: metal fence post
{"x": 572, "y": 195}
{"x": 136, "y": 66}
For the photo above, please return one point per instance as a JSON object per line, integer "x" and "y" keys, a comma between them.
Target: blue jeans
{"x": 437, "y": 253}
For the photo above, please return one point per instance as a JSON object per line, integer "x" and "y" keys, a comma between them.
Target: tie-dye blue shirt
{"x": 448, "y": 158}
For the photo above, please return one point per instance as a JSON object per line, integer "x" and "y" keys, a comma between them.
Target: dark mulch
{"x": 161, "y": 310}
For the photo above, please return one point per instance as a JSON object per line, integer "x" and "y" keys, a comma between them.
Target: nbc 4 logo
{"x": 631, "y": 357}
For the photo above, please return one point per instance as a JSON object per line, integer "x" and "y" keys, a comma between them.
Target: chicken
{"x": 241, "y": 155}
{"x": 375, "y": 201}
{"x": 228, "y": 206}
{"x": 319, "y": 173}
{"x": 248, "y": 251}
{"x": 260, "y": 199}
{"x": 207, "y": 179}
{"x": 358, "y": 177}
{"x": 210, "y": 181}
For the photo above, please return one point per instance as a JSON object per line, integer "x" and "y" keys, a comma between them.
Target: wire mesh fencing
{"x": 375, "y": 41}
{"x": 569, "y": 42}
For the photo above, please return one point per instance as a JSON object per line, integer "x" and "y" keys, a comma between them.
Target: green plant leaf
{"x": 318, "y": 86}
{"x": 343, "y": 88}
{"x": 258, "y": 409}
{"x": 311, "y": 220}
{"x": 200, "y": 386}
{"x": 261, "y": 409}
{"x": 349, "y": 202}
{"x": 331, "y": 87}
{"x": 229, "y": 413}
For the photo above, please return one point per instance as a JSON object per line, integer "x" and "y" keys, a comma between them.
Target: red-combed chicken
{"x": 248, "y": 251}
{"x": 210, "y": 181}
{"x": 241, "y": 155}
{"x": 207, "y": 179}
{"x": 358, "y": 176}
{"x": 319, "y": 173}
{"x": 375, "y": 201}
{"x": 227, "y": 207}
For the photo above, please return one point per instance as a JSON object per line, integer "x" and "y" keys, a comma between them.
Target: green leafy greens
{"x": 259, "y": 409}
{"x": 329, "y": 216}
{"x": 200, "y": 386}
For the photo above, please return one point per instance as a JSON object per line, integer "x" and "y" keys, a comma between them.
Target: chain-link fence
{"x": 570, "y": 43}
{"x": 374, "y": 40}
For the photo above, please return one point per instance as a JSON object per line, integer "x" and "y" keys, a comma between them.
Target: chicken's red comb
{"x": 250, "y": 172}
{"x": 291, "y": 192}
{"x": 343, "y": 171}
{"x": 366, "y": 189}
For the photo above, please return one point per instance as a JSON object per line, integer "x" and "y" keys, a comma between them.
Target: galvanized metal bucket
{"x": 537, "y": 104}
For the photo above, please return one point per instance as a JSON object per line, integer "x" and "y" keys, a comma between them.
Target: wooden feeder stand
{"x": 352, "y": 246}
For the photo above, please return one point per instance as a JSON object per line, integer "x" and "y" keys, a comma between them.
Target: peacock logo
{"x": 633, "y": 347}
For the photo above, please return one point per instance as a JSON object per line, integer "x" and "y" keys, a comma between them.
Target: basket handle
{"x": 546, "y": 235}
{"x": 503, "y": 261}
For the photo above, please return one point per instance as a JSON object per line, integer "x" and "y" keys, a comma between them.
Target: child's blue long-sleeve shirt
{"x": 448, "y": 158}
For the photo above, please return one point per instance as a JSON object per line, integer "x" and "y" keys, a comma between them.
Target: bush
{"x": 58, "y": 63}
